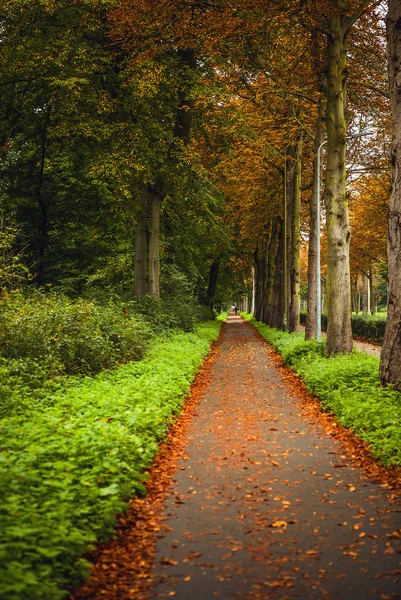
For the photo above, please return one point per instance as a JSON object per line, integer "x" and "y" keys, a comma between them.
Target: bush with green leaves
{"x": 68, "y": 469}
{"x": 348, "y": 386}
{"x": 366, "y": 326}
{"x": 71, "y": 336}
{"x": 369, "y": 326}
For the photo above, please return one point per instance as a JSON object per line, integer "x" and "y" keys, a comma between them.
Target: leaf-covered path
{"x": 265, "y": 502}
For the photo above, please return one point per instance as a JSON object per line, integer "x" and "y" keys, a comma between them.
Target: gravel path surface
{"x": 265, "y": 503}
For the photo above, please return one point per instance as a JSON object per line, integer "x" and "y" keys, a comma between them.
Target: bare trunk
{"x": 373, "y": 301}
{"x": 339, "y": 334}
{"x": 310, "y": 327}
{"x": 147, "y": 233}
{"x": 147, "y": 245}
{"x": 295, "y": 263}
{"x": 390, "y": 361}
{"x": 276, "y": 314}
{"x": 213, "y": 277}
{"x": 365, "y": 293}
{"x": 271, "y": 264}
{"x": 289, "y": 196}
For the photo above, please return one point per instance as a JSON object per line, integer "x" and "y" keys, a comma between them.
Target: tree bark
{"x": 290, "y": 174}
{"x": 373, "y": 303}
{"x": 339, "y": 334}
{"x": 295, "y": 280}
{"x": 390, "y": 361}
{"x": 310, "y": 326}
{"x": 147, "y": 233}
{"x": 271, "y": 265}
{"x": 365, "y": 294}
{"x": 276, "y": 314}
{"x": 213, "y": 277}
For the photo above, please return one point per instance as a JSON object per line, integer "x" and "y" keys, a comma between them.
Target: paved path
{"x": 265, "y": 504}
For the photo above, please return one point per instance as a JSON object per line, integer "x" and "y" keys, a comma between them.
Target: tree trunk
{"x": 293, "y": 321}
{"x": 365, "y": 294}
{"x": 373, "y": 301}
{"x": 390, "y": 361}
{"x": 276, "y": 312}
{"x": 258, "y": 283}
{"x": 290, "y": 174}
{"x": 147, "y": 233}
{"x": 310, "y": 326}
{"x": 271, "y": 265}
{"x": 339, "y": 334}
{"x": 213, "y": 277}
{"x": 147, "y": 275}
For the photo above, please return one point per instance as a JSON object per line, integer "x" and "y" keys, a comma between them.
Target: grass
{"x": 70, "y": 465}
{"x": 347, "y": 386}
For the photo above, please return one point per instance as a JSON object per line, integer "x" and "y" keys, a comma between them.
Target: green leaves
{"x": 69, "y": 467}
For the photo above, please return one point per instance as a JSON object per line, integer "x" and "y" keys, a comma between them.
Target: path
{"x": 264, "y": 504}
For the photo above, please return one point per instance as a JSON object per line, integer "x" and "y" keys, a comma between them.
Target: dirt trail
{"x": 264, "y": 503}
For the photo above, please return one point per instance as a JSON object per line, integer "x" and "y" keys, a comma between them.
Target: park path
{"x": 263, "y": 502}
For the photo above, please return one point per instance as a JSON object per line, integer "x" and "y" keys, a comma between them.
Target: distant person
{"x": 235, "y": 309}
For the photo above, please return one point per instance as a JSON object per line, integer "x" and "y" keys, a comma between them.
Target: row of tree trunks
{"x": 295, "y": 264}
{"x": 270, "y": 304}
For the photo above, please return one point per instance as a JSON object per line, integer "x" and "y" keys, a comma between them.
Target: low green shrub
{"x": 70, "y": 336}
{"x": 222, "y": 316}
{"x": 366, "y": 326}
{"x": 67, "y": 470}
{"x": 348, "y": 386}
{"x": 369, "y": 326}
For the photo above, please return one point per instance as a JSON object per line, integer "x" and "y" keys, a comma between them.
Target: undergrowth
{"x": 68, "y": 468}
{"x": 347, "y": 385}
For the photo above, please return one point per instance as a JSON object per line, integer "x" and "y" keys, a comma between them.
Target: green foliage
{"x": 69, "y": 336}
{"x": 366, "y": 326}
{"x": 66, "y": 471}
{"x": 348, "y": 386}
{"x": 13, "y": 272}
{"x": 369, "y": 326}
{"x": 222, "y": 316}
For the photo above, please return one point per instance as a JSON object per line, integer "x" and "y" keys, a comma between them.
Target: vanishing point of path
{"x": 264, "y": 503}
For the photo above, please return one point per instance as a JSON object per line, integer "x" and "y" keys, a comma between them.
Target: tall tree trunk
{"x": 271, "y": 265}
{"x": 390, "y": 361}
{"x": 373, "y": 302}
{"x": 365, "y": 294}
{"x": 339, "y": 334}
{"x": 213, "y": 277}
{"x": 290, "y": 174}
{"x": 276, "y": 312}
{"x": 310, "y": 326}
{"x": 295, "y": 263}
{"x": 258, "y": 283}
{"x": 147, "y": 233}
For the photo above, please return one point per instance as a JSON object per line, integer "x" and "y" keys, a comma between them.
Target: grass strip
{"x": 65, "y": 472}
{"x": 348, "y": 386}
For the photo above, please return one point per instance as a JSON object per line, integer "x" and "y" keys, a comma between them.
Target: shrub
{"x": 71, "y": 337}
{"x": 367, "y": 326}
{"x": 65, "y": 472}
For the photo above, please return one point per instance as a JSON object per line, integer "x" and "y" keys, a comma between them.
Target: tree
{"x": 390, "y": 362}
